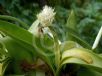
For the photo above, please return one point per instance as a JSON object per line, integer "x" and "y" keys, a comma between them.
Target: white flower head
{"x": 46, "y": 16}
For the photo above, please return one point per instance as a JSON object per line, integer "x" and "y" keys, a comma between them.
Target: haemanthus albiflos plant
{"x": 36, "y": 51}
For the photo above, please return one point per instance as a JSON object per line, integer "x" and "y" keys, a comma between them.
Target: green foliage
{"x": 26, "y": 50}
{"x": 29, "y": 48}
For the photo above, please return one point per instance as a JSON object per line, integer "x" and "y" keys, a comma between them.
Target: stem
{"x": 57, "y": 50}
{"x": 14, "y": 19}
{"x": 51, "y": 67}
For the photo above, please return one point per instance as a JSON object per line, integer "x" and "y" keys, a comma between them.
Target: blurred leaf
{"x": 72, "y": 22}
{"x": 0, "y": 68}
{"x": 5, "y": 17}
{"x": 73, "y": 36}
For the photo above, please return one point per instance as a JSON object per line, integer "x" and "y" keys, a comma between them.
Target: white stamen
{"x": 46, "y": 16}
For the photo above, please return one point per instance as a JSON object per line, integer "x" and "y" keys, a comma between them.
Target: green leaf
{"x": 0, "y": 68}
{"x": 16, "y": 32}
{"x": 68, "y": 45}
{"x": 82, "y": 57}
{"x": 13, "y": 47}
{"x": 40, "y": 73}
{"x": 72, "y": 22}
{"x": 17, "y": 53}
{"x": 5, "y": 17}
{"x": 25, "y": 38}
{"x": 73, "y": 36}
{"x": 72, "y": 33}
{"x": 5, "y": 65}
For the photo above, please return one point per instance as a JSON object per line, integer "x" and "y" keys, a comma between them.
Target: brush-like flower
{"x": 46, "y": 16}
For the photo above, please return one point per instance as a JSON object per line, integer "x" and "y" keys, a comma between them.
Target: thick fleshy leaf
{"x": 16, "y": 32}
{"x": 23, "y": 54}
{"x": 19, "y": 34}
{"x": 17, "y": 48}
{"x": 25, "y": 38}
{"x": 17, "y": 53}
{"x": 82, "y": 57}
{"x": 68, "y": 45}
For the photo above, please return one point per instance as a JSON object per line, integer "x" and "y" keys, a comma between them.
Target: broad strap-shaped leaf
{"x": 16, "y": 32}
{"x": 13, "y": 47}
{"x": 17, "y": 53}
{"x": 68, "y": 45}
{"x": 5, "y": 17}
{"x": 82, "y": 57}
{"x": 23, "y": 37}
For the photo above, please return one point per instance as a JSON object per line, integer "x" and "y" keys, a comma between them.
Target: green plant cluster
{"x": 76, "y": 26}
{"x": 22, "y": 51}
{"x": 88, "y": 13}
